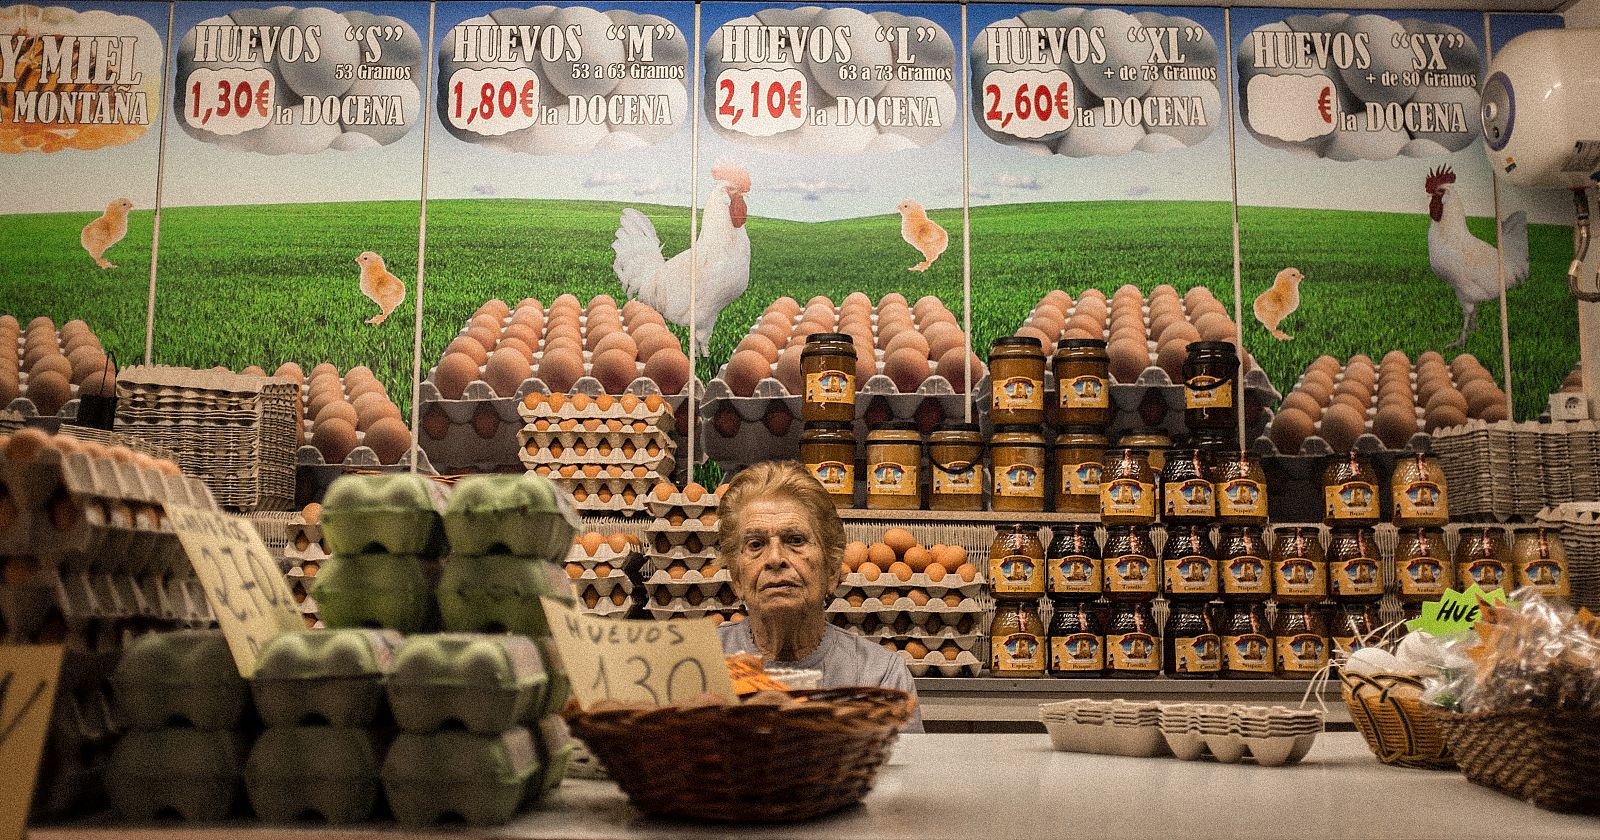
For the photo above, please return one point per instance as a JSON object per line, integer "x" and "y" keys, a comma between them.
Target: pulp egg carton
{"x": 374, "y": 590}
{"x": 951, "y": 582}
{"x": 917, "y": 615}
{"x": 537, "y": 406}
{"x": 194, "y": 773}
{"x": 933, "y": 641}
{"x": 693, "y": 603}
{"x": 1271, "y": 736}
{"x": 965, "y": 664}
{"x": 1318, "y": 447}
{"x": 340, "y": 785}
{"x": 694, "y": 561}
{"x": 77, "y": 751}
{"x": 395, "y": 514}
{"x": 1152, "y": 401}
{"x": 899, "y": 625}
{"x": 607, "y": 606}
{"x": 611, "y": 492}
{"x": 663, "y": 508}
{"x": 305, "y": 542}
{"x": 500, "y": 593}
{"x": 616, "y": 587}
{"x": 317, "y": 676}
{"x": 95, "y": 609}
{"x": 315, "y": 474}
{"x": 482, "y": 779}
{"x": 604, "y": 553}
{"x": 186, "y": 675}
{"x": 604, "y": 449}
{"x": 708, "y": 585}
{"x": 485, "y": 684}
{"x": 521, "y": 514}
{"x": 1105, "y": 727}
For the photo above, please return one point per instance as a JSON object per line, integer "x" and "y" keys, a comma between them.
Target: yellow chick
{"x": 100, "y": 234}
{"x": 377, "y": 283}
{"x": 921, "y": 233}
{"x": 1279, "y": 302}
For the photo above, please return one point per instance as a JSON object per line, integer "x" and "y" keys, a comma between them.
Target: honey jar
{"x": 1130, "y": 571}
{"x": 1247, "y": 649}
{"x": 1349, "y": 490}
{"x": 1017, "y": 453}
{"x": 1072, "y": 563}
{"x": 1300, "y": 640}
{"x": 894, "y": 467}
{"x": 1083, "y": 395}
{"x": 1245, "y": 576}
{"x": 1355, "y": 572}
{"x": 1420, "y": 500}
{"x": 1299, "y": 566}
{"x": 1127, "y": 488}
{"x": 828, "y": 365}
{"x": 1186, "y": 493}
{"x": 1077, "y": 641}
{"x": 1017, "y": 641}
{"x": 1079, "y": 463}
{"x": 1209, "y": 374}
{"x": 1540, "y": 561}
{"x": 1353, "y": 623}
{"x": 1189, "y": 563}
{"x": 1240, "y": 488}
{"x": 1133, "y": 642}
{"x": 1016, "y": 563}
{"x": 829, "y": 451}
{"x": 955, "y": 457}
{"x": 1016, "y": 379}
{"x": 1422, "y": 566}
{"x": 1482, "y": 558}
{"x": 1153, "y": 442}
{"x": 1191, "y": 641}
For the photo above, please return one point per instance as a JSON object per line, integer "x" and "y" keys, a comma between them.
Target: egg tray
{"x": 1267, "y": 751}
{"x": 964, "y": 641}
{"x": 1503, "y": 469}
{"x": 310, "y": 466}
{"x": 964, "y": 665}
{"x": 606, "y": 608}
{"x": 541, "y": 439}
{"x": 918, "y": 614}
{"x": 314, "y": 548}
{"x": 603, "y": 586}
{"x": 535, "y": 406}
{"x": 616, "y": 505}
{"x": 932, "y": 624}
{"x": 1294, "y": 482}
{"x": 483, "y": 683}
{"x": 333, "y": 677}
{"x": 482, "y": 779}
{"x": 78, "y": 744}
{"x": 661, "y": 463}
{"x": 1150, "y": 402}
{"x": 662, "y": 508}
{"x": 949, "y": 583}
{"x": 340, "y": 788}
{"x": 603, "y": 554}
{"x": 1316, "y": 445}
{"x": 708, "y": 586}
{"x": 695, "y": 560}
{"x": 194, "y": 773}
{"x": 683, "y": 609}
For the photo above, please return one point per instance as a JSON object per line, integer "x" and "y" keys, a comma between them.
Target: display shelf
{"x": 965, "y": 517}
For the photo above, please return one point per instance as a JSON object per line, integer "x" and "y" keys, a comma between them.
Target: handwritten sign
{"x": 27, "y": 694}
{"x": 1455, "y": 612}
{"x": 247, "y": 592}
{"x": 651, "y": 663}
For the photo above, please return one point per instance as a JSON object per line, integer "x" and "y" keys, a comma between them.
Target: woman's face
{"x": 780, "y": 558}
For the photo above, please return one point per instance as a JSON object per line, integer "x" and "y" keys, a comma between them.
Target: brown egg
{"x": 1494, "y": 412}
{"x": 454, "y": 373}
{"x": 49, "y": 391}
{"x": 101, "y": 383}
{"x": 918, "y": 558}
{"x": 653, "y": 338}
{"x": 615, "y": 369}
{"x": 1447, "y": 396}
{"x": 788, "y": 370}
{"x": 942, "y": 338}
{"x": 744, "y": 370}
{"x": 567, "y": 301}
{"x": 389, "y": 439}
{"x": 464, "y": 344}
{"x": 1303, "y": 402}
{"x": 907, "y": 367}
{"x": 908, "y": 339}
{"x": 560, "y": 368}
{"x": 899, "y": 540}
{"x": 618, "y": 341}
{"x": 370, "y": 408}
{"x": 1464, "y": 363}
{"x": 54, "y": 363}
{"x": 866, "y": 366}
{"x": 669, "y": 369}
{"x": 643, "y": 317}
{"x": 806, "y": 329}
{"x": 1215, "y": 326}
{"x": 1316, "y": 388}
{"x": 1289, "y": 429}
{"x": 776, "y": 333}
{"x": 340, "y": 409}
{"x": 1340, "y": 426}
{"x": 334, "y": 439}
{"x": 597, "y": 331}
{"x": 760, "y": 344}
{"x": 1480, "y": 394}
{"x": 1394, "y": 426}
{"x": 485, "y": 422}
{"x": 1444, "y": 416}
{"x": 1170, "y": 357}
{"x": 1129, "y": 358}
{"x": 435, "y": 423}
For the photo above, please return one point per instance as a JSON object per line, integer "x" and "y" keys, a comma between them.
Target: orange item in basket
{"x": 750, "y": 676}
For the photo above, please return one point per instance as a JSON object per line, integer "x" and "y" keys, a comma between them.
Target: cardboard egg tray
{"x": 948, "y": 583}
{"x": 964, "y": 665}
{"x": 708, "y": 585}
{"x": 603, "y": 554}
{"x": 947, "y": 635}
{"x": 1272, "y": 736}
{"x": 918, "y": 615}
{"x": 1105, "y": 727}
{"x": 683, "y": 609}
{"x": 305, "y": 542}
{"x": 602, "y": 585}
{"x": 1580, "y": 536}
{"x": 693, "y": 560}
{"x": 25, "y": 406}
{"x": 605, "y": 607}
{"x": 556, "y": 449}
{"x": 677, "y": 501}
{"x": 77, "y": 748}
{"x": 535, "y": 407}
{"x": 1505, "y": 469}
{"x": 614, "y": 485}
{"x": 900, "y": 599}
{"x": 898, "y": 624}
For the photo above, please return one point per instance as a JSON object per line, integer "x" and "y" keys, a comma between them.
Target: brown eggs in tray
{"x": 50, "y": 368}
{"x": 343, "y": 412}
{"x": 1391, "y": 400}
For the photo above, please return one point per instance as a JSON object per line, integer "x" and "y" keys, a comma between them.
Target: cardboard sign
{"x": 27, "y": 695}
{"x": 650, "y": 663}
{"x": 248, "y": 594}
{"x": 1455, "y": 612}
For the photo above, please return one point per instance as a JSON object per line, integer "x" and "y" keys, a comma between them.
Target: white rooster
{"x": 1470, "y": 265}
{"x": 722, "y": 253}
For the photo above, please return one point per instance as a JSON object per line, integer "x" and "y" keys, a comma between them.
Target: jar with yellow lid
{"x": 1127, "y": 488}
{"x": 1017, "y": 641}
{"x": 955, "y": 459}
{"x": 1082, "y": 369}
{"x": 1299, "y": 566}
{"x": 1017, "y": 453}
{"x": 1540, "y": 561}
{"x": 1240, "y": 488}
{"x": 1186, "y": 492}
{"x": 894, "y": 467}
{"x": 828, "y": 367}
{"x": 1420, "y": 500}
{"x": 1016, "y": 381}
{"x": 1079, "y": 463}
{"x": 829, "y": 451}
{"x": 1483, "y": 558}
{"x": 1016, "y": 563}
{"x": 1422, "y": 566}
{"x": 1350, "y": 490}
{"x": 1355, "y": 571}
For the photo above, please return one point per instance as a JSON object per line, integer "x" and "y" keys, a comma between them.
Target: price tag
{"x": 1028, "y": 103}
{"x": 761, "y": 102}
{"x": 230, "y": 101}
{"x": 1455, "y": 612}
{"x": 650, "y": 663}
{"x": 493, "y": 102}
{"x": 247, "y": 592}
{"x": 28, "y": 676}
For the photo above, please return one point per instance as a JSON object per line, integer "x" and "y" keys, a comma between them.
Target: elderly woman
{"x": 781, "y": 540}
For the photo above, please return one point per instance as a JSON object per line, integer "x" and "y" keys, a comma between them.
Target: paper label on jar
{"x": 957, "y": 482}
{"x": 1355, "y": 576}
{"x": 1351, "y": 500}
{"x": 1346, "y": 645}
{"x": 887, "y": 478}
{"x": 1241, "y": 497}
{"x": 1076, "y": 652}
{"x": 1486, "y": 573}
{"x": 830, "y": 386}
{"x": 1191, "y": 575}
{"x": 1132, "y": 573}
{"x": 1208, "y": 392}
{"x": 1019, "y": 481}
{"x": 1134, "y": 652}
{"x": 1423, "y": 500}
{"x": 1081, "y": 479}
{"x": 1189, "y": 498}
{"x": 1073, "y": 574}
{"x": 1300, "y": 576}
{"x": 1423, "y": 576}
{"x": 1085, "y": 392}
{"x": 1251, "y": 652}
{"x": 1201, "y": 654}
{"x": 1015, "y": 574}
{"x": 1246, "y": 574}
{"x": 1302, "y": 653}
{"x": 1547, "y": 577}
{"x": 837, "y": 477}
{"x": 1018, "y": 393}
{"x": 1016, "y": 652}
{"x": 1128, "y": 497}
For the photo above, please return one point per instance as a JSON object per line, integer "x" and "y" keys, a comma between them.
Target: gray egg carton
{"x": 191, "y": 772}
{"x": 500, "y": 593}
{"x": 485, "y": 779}
{"x": 185, "y": 677}
{"x": 323, "y": 676}
{"x": 331, "y": 771}
{"x": 485, "y": 683}
{"x": 524, "y": 515}
{"x": 373, "y": 590}
{"x": 1294, "y": 481}
{"x": 30, "y": 411}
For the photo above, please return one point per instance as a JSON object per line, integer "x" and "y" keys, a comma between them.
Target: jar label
{"x": 1246, "y": 574}
{"x": 887, "y": 478}
{"x": 1019, "y": 481}
{"x": 1355, "y": 576}
{"x": 1423, "y": 576}
{"x": 1015, "y": 574}
{"x": 1018, "y": 393}
{"x": 1251, "y": 652}
{"x": 1242, "y": 497}
{"x": 1351, "y": 500}
{"x": 957, "y": 482}
{"x": 1128, "y": 497}
{"x": 837, "y": 477}
{"x": 830, "y": 386}
{"x": 1547, "y": 577}
{"x": 1203, "y": 391}
{"x": 1191, "y": 575}
{"x": 1016, "y": 652}
{"x": 1074, "y": 573}
{"x": 1486, "y": 573}
{"x": 1131, "y": 573}
{"x": 1189, "y": 498}
{"x": 1201, "y": 654}
{"x": 1423, "y": 500}
{"x": 1302, "y": 653}
{"x": 1346, "y": 645}
{"x": 1085, "y": 392}
{"x": 1133, "y": 652}
{"x": 1300, "y": 576}
{"x": 1081, "y": 479}
{"x": 1077, "y": 652}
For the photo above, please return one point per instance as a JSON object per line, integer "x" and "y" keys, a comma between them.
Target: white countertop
{"x": 998, "y": 787}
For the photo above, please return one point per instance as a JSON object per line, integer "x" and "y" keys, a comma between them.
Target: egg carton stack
{"x": 43, "y": 371}
{"x": 1271, "y": 736}
{"x": 236, "y": 433}
{"x": 385, "y": 537}
{"x": 914, "y": 372}
{"x": 604, "y": 567}
{"x": 304, "y": 553}
{"x": 1105, "y": 727}
{"x": 348, "y": 422}
{"x": 606, "y": 451}
{"x": 1501, "y": 467}
{"x": 683, "y": 577}
{"x": 925, "y": 604}
{"x": 1147, "y": 340}
{"x": 470, "y": 399}
{"x": 1580, "y": 536}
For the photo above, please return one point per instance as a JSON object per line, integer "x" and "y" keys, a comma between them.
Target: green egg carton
{"x": 524, "y": 515}
{"x": 483, "y": 779}
{"x": 191, "y": 772}
{"x": 555, "y": 751}
{"x": 323, "y": 676}
{"x": 499, "y": 593}
{"x": 373, "y": 590}
{"x": 183, "y": 676}
{"x": 330, "y": 771}
{"x": 392, "y": 513}
{"x": 486, "y": 683}
{"x": 559, "y": 689}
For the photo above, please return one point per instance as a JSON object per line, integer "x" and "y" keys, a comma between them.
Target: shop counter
{"x": 986, "y": 703}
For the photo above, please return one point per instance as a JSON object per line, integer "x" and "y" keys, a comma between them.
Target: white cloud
{"x": 814, "y": 190}
{"x": 654, "y": 186}
{"x": 605, "y": 179}
{"x": 1018, "y": 182}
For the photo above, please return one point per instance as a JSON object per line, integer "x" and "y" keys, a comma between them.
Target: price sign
{"x": 230, "y": 101}
{"x": 247, "y": 592}
{"x": 1028, "y": 103}
{"x": 649, "y": 663}
{"x": 27, "y": 695}
{"x": 493, "y": 102}
{"x": 761, "y": 102}
{"x": 1455, "y": 612}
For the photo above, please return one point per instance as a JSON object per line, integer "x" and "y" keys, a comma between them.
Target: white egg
{"x": 187, "y": 65}
{"x": 981, "y": 68}
{"x": 405, "y": 52}
{"x": 939, "y": 52}
{"x": 320, "y": 77}
{"x": 1201, "y": 53}
{"x": 1159, "y": 143}
{"x": 1461, "y": 58}
{"x": 943, "y": 98}
{"x": 292, "y": 138}
{"x": 670, "y": 91}
{"x": 867, "y": 52}
{"x": 1423, "y": 149}
{"x": 409, "y": 98}
{"x": 1373, "y": 660}
{"x": 351, "y": 141}
{"x": 1089, "y": 141}
{"x": 1421, "y": 651}
{"x": 673, "y": 50}
{"x": 1120, "y": 53}
{"x": 536, "y": 16}
{"x": 559, "y": 137}
{"x": 273, "y": 16}
{"x": 1329, "y": 22}
{"x": 1387, "y": 58}
{"x": 597, "y": 51}
{"x": 1204, "y": 120}
{"x": 1448, "y": 108}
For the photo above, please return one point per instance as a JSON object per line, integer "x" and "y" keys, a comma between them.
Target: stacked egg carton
{"x": 1580, "y": 536}
{"x": 1502, "y": 468}
{"x": 469, "y": 400}
{"x": 914, "y": 372}
{"x": 683, "y": 576}
{"x": 1105, "y": 727}
{"x": 924, "y": 604}
{"x": 304, "y": 552}
{"x": 385, "y": 537}
{"x": 1272, "y": 736}
{"x": 606, "y": 451}
{"x": 43, "y": 372}
{"x": 602, "y": 567}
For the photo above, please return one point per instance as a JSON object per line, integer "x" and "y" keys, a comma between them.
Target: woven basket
{"x": 1540, "y": 756}
{"x": 749, "y": 763}
{"x": 1387, "y": 710}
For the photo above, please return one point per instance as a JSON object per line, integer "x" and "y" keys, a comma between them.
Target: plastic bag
{"x": 1529, "y": 653}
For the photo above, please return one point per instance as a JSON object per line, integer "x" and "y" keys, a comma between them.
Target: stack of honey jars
{"x": 1074, "y": 582}
{"x": 1017, "y": 639}
{"x": 828, "y": 407}
{"x": 1191, "y": 577}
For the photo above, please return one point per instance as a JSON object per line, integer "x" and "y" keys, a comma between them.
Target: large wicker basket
{"x": 1541, "y": 756}
{"x": 755, "y": 763}
{"x": 1387, "y": 710}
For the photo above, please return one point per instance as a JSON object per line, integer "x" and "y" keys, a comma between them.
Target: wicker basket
{"x": 1545, "y": 757}
{"x": 749, "y": 763}
{"x": 1387, "y": 710}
